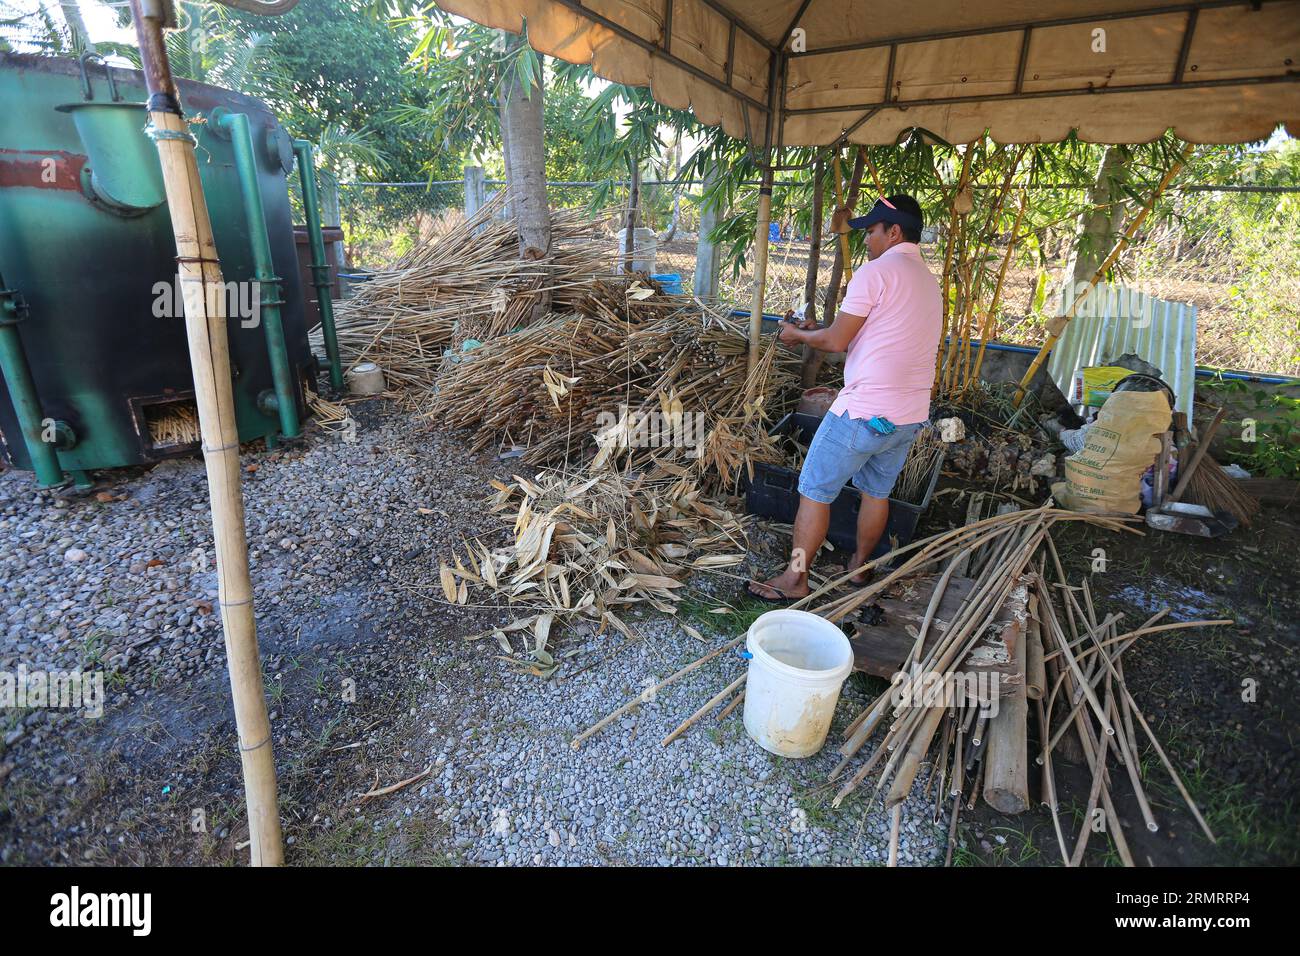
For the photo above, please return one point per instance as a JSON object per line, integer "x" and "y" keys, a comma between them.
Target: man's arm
{"x": 834, "y": 338}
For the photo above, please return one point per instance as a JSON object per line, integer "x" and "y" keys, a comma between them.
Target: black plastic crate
{"x": 774, "y": 494}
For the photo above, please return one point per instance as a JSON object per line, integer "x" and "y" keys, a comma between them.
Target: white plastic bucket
{"x": 798, "y": 665}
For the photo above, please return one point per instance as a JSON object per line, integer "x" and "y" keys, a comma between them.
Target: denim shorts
{"x": 845, "y": 448}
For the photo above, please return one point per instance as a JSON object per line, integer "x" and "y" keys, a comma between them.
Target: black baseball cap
{"x": 886, "y": 211}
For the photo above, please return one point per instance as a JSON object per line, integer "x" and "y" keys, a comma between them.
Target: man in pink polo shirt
{"x": 889, "y": 326}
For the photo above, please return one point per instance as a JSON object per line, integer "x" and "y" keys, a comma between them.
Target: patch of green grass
{"x": 962, "y": 855}
{"x": 93, "y": 649}
{"x": 366, "y": 841}
{"x": 356, "y": 841}
{"x": 1020, "y": 849}
{"x": 11, "y": 717}
{"x": 815, "y": 806}
{"x": 740, "y": 613}
{"x": 327, "y": 732}
{"x": 275, "y": 689}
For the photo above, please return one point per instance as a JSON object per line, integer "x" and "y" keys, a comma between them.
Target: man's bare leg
{"x": 873, "y": 515}
{"x": 810, "y": 526}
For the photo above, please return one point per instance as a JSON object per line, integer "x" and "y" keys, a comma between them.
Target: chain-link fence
{"x": 381, "y": 221}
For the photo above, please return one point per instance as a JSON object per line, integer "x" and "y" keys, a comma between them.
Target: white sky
{"x": 100, "y": 17}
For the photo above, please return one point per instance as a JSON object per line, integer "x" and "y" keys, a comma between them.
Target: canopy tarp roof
{"x": 815, "y": 72}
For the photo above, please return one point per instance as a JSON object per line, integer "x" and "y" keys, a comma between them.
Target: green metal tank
{"x": 88, "y": 268}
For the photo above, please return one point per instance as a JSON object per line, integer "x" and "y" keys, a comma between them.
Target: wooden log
{"x": 1006, "y": 779}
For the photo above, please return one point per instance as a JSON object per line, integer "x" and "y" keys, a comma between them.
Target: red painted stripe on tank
{"x": 56, "y": 169}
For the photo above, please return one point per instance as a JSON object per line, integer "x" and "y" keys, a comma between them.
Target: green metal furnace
{"x": 93, "y": 352}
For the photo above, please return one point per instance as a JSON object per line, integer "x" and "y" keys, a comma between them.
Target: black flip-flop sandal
{"x": 869, "y": 577}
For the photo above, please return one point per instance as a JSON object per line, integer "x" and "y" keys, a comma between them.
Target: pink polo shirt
{"x": 889, "y": 364}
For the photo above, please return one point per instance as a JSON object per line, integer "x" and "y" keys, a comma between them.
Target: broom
{"x": 1210, "y": 486}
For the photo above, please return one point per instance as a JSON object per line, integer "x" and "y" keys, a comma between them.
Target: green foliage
{"x": 1275, "y": 452}
{"x": 332, "y": 74}
{"x": 22, "y": 28}
{"x": 460, "y": 66}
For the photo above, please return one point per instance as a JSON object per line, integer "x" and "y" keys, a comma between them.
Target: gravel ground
{"x": 512, "y": 790}
{"x": 343, "y": 568}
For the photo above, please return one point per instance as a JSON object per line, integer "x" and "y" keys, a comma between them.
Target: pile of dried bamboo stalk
{"x": 1067, "y": 661}
{"x": 914, "y": 477}
{"x": 586, "y": 384}
{"x": 330, "y": 416}
{"x": 586, "y": 546}
{"x": 468, "y": 283}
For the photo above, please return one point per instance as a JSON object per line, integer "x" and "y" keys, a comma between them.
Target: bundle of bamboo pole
{"x": 1067, "y": 665}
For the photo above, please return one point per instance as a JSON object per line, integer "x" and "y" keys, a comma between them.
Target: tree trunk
{"x": 508, "y": 207}
{"x": 667, "y": 234}
{"x": 675, "y": 171}
{"x": 522, "y": 132}
{"x": 1099, "y": 223}
{"x": 813, "y": 358}
{"x": 707, "y": 260}
{"x": 832, "y": 306}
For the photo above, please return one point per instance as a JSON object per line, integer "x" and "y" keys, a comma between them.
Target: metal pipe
{"x": 22, "y": 391}
{"x": 241, "y": 140}
{"x": 320, "y": 270}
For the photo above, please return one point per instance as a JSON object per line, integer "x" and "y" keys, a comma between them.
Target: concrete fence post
{"x": 475, "y": 190}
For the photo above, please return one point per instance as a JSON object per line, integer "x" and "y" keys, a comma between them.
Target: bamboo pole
{"x": 1057, "y": 326}
{"x": 895, "y": 832}
{"x": 641, "y": 698}
{"x": 990, "y": 321}
{"x": 954, "y": 218}
{"x": 205, "y": 326}
{"x": 713, "y": 701}
{"x": 871, "y": 168}
{"x": 847, "y": 261}
{"x": 735, "y": 702}
{"x": 761, "y": 226}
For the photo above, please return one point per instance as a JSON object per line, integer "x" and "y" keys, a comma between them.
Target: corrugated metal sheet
{"x": 1116, "y": 320}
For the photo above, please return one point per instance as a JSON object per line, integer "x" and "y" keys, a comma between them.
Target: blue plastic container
{"x": 671, "y": 281}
